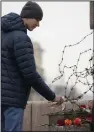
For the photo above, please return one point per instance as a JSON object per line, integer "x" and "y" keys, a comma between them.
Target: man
{"x": 18, "y": 66}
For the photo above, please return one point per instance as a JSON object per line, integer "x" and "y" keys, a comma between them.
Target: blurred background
{"x": 64, "y": 23}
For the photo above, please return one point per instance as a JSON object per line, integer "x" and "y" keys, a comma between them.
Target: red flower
{"x": 60, "y": 122}
{"x": 77, "y": 121}
{"x": 83, "y": 106}
{"x": 89, "y": 118}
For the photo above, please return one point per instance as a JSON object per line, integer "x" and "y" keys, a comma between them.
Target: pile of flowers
{"x": 78, "y": 117}
{"x": 69, "y": 122}
{"x": 77, "y": 121}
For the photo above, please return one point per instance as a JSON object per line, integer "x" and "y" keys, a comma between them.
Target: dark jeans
{"x": 11, "y": 118}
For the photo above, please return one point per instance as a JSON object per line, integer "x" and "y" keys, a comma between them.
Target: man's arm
{"x": 23, "y": 50}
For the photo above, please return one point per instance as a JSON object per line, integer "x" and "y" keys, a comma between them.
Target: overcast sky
{"x": 63, "y": 23}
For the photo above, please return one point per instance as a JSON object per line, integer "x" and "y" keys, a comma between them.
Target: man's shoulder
{"x": 21, "y": 35}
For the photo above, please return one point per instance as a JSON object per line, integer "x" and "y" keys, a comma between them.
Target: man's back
{"x": 14, "y": 89}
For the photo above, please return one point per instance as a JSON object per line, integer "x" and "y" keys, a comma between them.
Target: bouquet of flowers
{"x": 77, "y": 120}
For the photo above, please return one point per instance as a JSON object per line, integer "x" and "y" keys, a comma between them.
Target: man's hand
{"x": 59, "y": 100}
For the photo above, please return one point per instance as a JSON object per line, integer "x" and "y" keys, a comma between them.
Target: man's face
{"x": 32, "y": 24}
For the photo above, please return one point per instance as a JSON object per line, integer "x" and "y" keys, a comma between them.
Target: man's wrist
{"x": 54, "y": 97}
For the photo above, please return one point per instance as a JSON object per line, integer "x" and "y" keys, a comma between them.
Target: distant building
{"x": 38, "y": 53}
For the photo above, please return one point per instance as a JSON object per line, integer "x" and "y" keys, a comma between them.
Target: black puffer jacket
{"x": 18, "y": 70}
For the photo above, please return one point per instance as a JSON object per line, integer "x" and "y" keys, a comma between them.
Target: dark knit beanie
{"x": 32, "y": 10}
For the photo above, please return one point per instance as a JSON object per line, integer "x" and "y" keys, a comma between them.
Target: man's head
{"x": 31, "y": 14}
